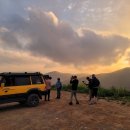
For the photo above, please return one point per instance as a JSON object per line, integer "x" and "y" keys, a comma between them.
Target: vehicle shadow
{"x": 11, "y": 106}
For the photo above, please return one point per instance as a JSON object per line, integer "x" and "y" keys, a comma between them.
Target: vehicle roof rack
{"x": 18, "y": 73}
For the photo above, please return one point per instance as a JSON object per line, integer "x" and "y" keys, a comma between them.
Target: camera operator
{"x": 74, "y": 85}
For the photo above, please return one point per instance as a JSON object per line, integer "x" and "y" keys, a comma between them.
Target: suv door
{"x": 15, "y": 88}
{"x": 6, "y": 88}
{"x": 37, "y": 82}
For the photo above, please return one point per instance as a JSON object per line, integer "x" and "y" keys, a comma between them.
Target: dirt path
{"x": 58, "y": 115}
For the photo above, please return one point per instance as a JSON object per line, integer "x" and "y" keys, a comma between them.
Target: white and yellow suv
{"x": 25, "y": 88}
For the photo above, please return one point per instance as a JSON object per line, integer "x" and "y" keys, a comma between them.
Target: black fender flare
{"x": 36, "y": 91}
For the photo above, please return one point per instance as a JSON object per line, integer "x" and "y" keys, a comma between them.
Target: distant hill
{"x": 65, "y": 77}
{"x": 120, "y": 78}
{"x": 62, "y": 76}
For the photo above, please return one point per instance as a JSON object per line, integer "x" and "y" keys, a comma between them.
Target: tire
{"x": 33, "y": 100}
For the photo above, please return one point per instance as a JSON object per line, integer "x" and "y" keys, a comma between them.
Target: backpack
{"x": 97, "y": 82}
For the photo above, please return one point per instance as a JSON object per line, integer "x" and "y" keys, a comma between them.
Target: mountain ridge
{"x": 118, "y": 78}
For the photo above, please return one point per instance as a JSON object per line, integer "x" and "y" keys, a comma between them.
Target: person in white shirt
{"x": 48, "y": 88}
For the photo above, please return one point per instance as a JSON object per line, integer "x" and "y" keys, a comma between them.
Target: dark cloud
{"x": 60, "y": 43}
{"x": 10, "y": 41}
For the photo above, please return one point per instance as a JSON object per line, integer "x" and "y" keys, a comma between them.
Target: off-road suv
{"x": 25, "y": 88}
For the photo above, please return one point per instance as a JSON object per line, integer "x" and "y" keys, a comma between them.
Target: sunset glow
{"x": 67, "y": 36}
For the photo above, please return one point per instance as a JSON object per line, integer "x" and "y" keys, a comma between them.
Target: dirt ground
{"x": 58, "y": 115}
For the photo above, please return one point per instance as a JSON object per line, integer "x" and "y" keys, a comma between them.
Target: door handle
{"x": 7, "y": 89}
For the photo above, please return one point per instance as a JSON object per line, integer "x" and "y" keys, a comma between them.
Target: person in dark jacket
{"x": 58, "y": 88}
{"x": 95, "y": 86}
{"x": 74, "y": 85}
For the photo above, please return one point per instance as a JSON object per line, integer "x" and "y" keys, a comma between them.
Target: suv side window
{"x": 36, "y": 79}
{"x": 22, "y": 80}
{"x": 9, "y": 81}
{"x": 0, "y": 78}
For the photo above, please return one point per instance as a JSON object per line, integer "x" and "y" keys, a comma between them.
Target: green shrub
{"x": 111, "y": 93}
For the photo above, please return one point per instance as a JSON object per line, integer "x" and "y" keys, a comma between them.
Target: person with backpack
{"x": 95, "y": 86}
{"x": 58, "y": 88}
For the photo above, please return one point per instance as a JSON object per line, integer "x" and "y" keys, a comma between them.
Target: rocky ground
{"x": 58, "y": 115}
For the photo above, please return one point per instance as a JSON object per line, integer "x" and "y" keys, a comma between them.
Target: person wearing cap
{"x": 74, "y": 85}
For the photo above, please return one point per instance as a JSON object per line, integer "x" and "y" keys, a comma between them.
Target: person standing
{"x": 74, "y": 85}
{"x": 58, "y": 88}
{"x": 89, "y": 84}
{"x": 48, "y": 88}
{"x": 95, "y": 86}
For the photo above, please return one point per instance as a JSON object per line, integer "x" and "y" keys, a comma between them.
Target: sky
{"x": 69, "y": 36}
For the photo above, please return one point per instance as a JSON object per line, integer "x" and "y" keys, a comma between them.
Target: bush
{"x": 112, "y": 93}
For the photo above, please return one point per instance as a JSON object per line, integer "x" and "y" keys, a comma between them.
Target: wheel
{"x": 33, "y": 100}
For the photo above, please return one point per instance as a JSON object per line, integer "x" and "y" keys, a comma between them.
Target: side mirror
{"x": 2, "y": 84}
